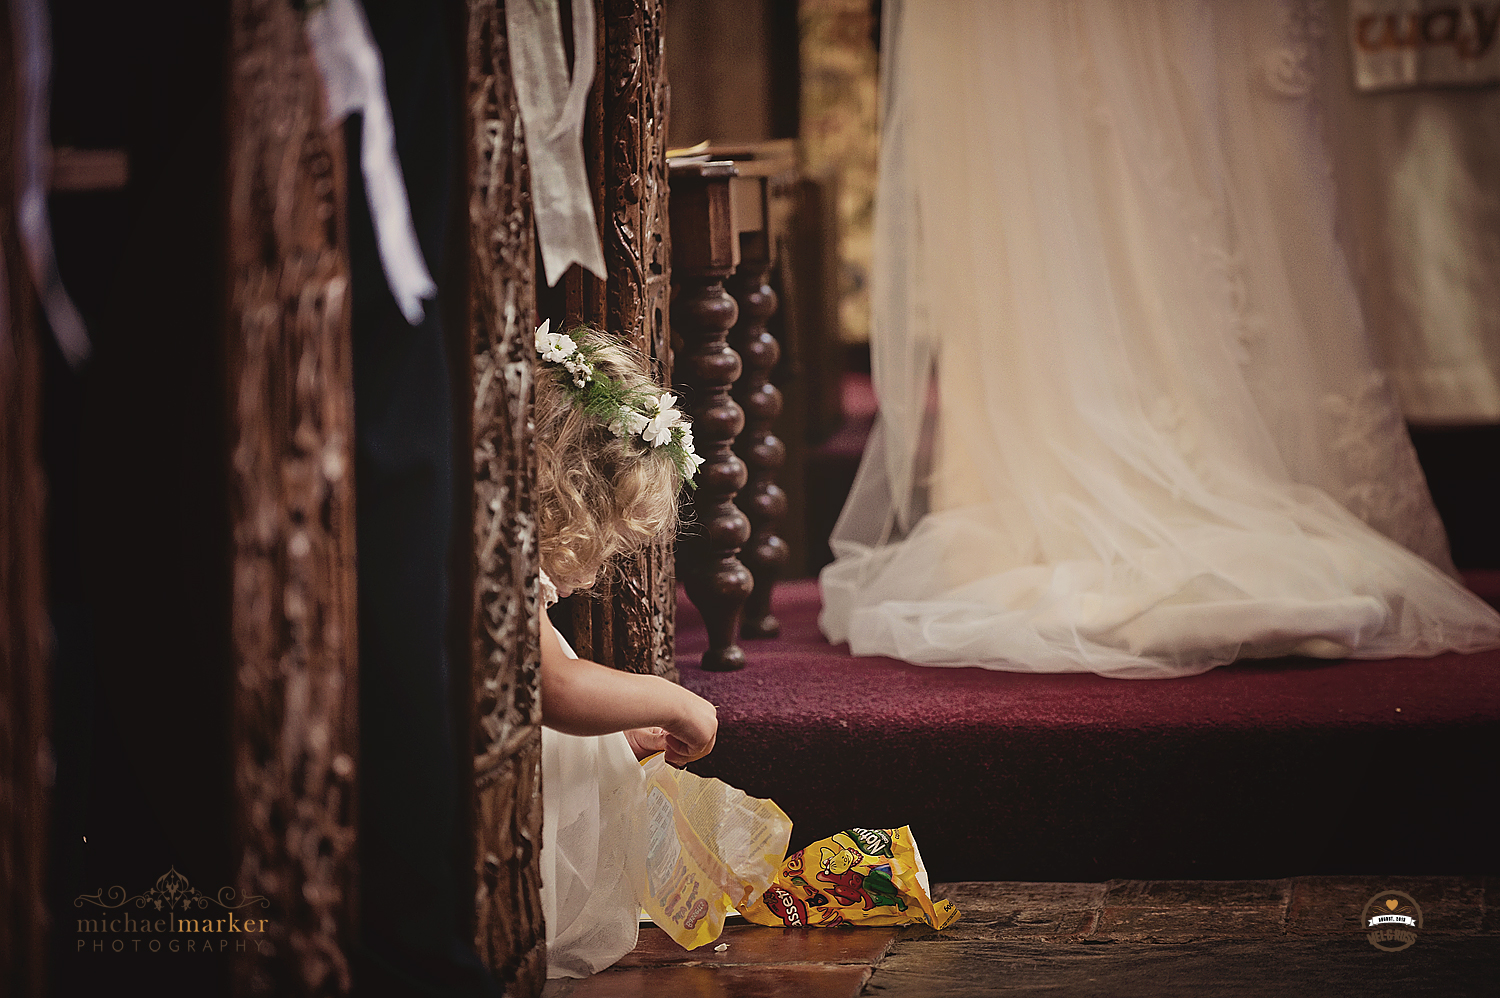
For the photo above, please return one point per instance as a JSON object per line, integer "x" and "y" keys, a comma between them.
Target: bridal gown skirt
{"x": 1129, "y": 421}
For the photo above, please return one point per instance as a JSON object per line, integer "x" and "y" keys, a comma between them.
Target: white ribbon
{"x": 552, "y": 112}
{"x": 33, "y": 40}
{"x": 354, "y": 80}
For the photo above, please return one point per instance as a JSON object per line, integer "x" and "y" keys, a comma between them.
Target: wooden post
{"x": 704, "y": 252}
{"x": 637, "y": 253}
{"x": 504, "y": 630}
{"x": 25, "y": 757}
{"x": 293, "y": 627}
{"x": 628, "y": 620}
{"x": 762, "y": 500}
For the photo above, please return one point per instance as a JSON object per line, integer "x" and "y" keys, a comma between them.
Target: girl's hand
{"x": 646, "y": 741}
{"x": 691, "y": 734}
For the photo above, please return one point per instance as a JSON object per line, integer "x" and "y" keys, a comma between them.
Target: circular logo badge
{"x": 1392, "y": 919}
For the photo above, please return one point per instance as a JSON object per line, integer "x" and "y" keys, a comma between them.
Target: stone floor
{"x": 1125, "y": 938}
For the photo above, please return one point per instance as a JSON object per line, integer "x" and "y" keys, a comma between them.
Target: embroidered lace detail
{"x": 549, "y": 591}
{"x": 1385, "y": 485}
{"x": 1291, "y": 68}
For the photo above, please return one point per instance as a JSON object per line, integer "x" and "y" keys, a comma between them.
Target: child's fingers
{"x": 680, "y": 753}
{"x": 647, "y": 741}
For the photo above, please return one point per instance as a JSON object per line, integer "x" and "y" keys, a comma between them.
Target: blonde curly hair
{"x": 598, "y": 494}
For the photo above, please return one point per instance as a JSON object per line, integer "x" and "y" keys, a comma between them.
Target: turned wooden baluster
{"x": 704, "y": 252}
{"x": 762, "y": 500}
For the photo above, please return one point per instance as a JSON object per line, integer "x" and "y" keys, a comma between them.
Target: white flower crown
{"x": 627, "y": 412}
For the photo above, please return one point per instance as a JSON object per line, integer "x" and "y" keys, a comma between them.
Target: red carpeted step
{"x": 1259, "y": 769}
{"x": 857, "y": 401}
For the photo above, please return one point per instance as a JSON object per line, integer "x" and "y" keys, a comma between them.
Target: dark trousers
{"x": 411, "y": 853}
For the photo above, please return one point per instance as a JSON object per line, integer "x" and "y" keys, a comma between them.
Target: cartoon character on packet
{"x": 858, "y": 876}
{"x": 850, "y": 887}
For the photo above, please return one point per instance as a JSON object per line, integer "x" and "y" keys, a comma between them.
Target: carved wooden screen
{"x": 629, "y": 622}
{"x": 290, "y": 399}
{"x": 23, "y": 618}
{"x": 504, "y": 625}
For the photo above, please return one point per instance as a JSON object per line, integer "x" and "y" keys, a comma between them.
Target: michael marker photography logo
{"x": 171, "y": 917}
{"x": 1391, "y": 919}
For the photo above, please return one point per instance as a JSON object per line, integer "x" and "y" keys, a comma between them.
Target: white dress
{"x": 593, "y": 846}
{"x": 1129, "y": 420}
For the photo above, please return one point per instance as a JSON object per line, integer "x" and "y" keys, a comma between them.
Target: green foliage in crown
{"x": 626, "y": 411}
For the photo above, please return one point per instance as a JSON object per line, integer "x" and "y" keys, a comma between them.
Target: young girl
{"x": 612, "y": 454}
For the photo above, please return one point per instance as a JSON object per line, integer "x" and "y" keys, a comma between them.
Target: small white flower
{"x": 685, "y": 439}
{"x": 554, "y": 347}
{"x": 635, "y": 422}
{"x": 580, "y": 368}
{"x": 664, "y": 418}
{"x": 628, "y": 423}
{"x": 659, "y": 430}
{"x": 661, "y": 403}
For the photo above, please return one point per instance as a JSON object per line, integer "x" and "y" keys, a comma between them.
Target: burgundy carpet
{"x": 1255, "y": 770}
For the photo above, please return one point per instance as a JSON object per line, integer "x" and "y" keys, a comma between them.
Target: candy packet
{"x": 711, "y": 849}
{"x": 861, "y": 876}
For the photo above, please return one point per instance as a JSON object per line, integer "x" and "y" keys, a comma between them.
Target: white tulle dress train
{"x": 1129, "y": 421}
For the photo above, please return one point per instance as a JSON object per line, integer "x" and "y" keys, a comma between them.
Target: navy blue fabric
{"x": 412, "y": 891}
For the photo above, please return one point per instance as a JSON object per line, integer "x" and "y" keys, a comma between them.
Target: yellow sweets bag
{"x": 711, "y": 848}
{"x": 862, "y": 876}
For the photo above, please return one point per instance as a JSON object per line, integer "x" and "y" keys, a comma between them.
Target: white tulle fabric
{"x": 1129, "y": 421}
{"x": 593, "y": 846}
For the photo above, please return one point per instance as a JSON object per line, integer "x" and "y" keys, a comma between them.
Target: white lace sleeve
{"x": 549, "y": 591}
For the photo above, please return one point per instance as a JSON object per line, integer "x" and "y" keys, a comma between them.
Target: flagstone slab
{"x": 1012, "y": 910}
{"x": 1188, "y": 910}
{"x": 1197, "y": 893}
{"x": 758, "y": 944}
{"x": 1181, "y": 925}
{"x": 1152, "y": 939}
{"x": 763, "y": 981}
{"x": 1334, "y": 904}
{"x": 1326, "y": 967}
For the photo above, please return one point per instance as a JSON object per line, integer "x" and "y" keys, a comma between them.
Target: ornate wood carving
{"x": 628, "y": 621}
{"x": 637, "y": 253}
{"x": 510, "y": 935}
{"x": 25, "y": 757}
{"x": 762, "y": 499}
{"x": 704, "y": 252}
{"x": 290, "y": 398}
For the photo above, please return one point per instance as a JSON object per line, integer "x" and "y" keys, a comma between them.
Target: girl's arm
{"x": 585, "y": 698}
